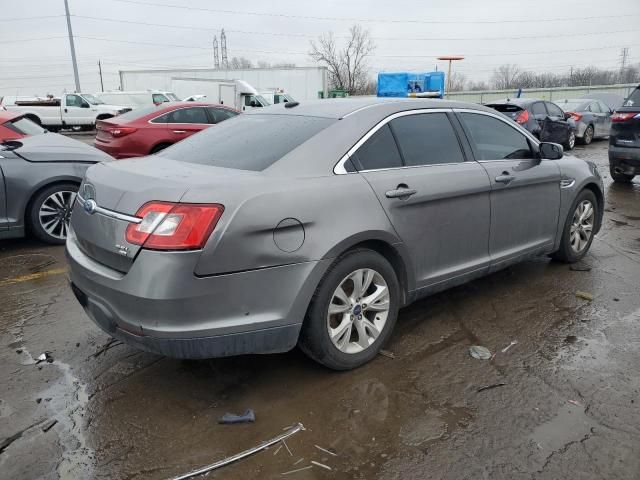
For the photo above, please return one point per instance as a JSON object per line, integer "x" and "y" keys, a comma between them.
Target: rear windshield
{"x": 139, "y": 112}
{"x": 505, "y": 108}
{"x": 634, "y": 99}
{"x": 247, "y": 142}
{"x": 24, "y": 126}
{"x": 572, "y": 106}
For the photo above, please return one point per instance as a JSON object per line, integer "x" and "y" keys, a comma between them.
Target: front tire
{"x": 353, "y": 311}
{"x": 50, "y": 212}
{"x": 579, "y": 227}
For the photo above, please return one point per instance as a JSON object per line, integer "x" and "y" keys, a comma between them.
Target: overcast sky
{"x": 35, "y": 59}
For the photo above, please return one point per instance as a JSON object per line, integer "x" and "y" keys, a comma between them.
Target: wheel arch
{"x": 104, "y": 116}
{"x": 387, "y": 245}
{"x": 40, "y": 187}
{"x": 153, "y": 149}
{"x": 33, "y": 117}
{"x": 600, "y": 199}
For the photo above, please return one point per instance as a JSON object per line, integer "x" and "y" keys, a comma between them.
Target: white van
{"x": 276, "y": 95}
{"x": 138, "y": 99}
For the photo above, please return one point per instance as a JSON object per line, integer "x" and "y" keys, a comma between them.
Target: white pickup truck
{"x": 71, "y": 110}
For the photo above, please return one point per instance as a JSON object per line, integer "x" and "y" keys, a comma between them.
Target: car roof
{"x": 339, "y": 108}
{"x": 514, "y": 101}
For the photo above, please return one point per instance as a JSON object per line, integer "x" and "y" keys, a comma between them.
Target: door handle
{"x": 505, "y": 178}
{"x": 400, "y": 193}
{"x": 179, "y": 131}
{"x": 66, "y": 111}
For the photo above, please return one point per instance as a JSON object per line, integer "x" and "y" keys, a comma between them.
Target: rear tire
{"x": 159, "y": 148}
{"x": 571, "y": 141}
{"x": 587, "y": 138}
{"x": 366, "y": 328}
{"x": 50, "y": 211}
{"x": 579, "y": 228}
{"x": 619, "y": 177}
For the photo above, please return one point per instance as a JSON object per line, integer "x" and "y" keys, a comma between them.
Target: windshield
{"x": 572, "y": 106}
{"x": 261, "y": 100}
{"x": 634, "y": 99}
{"x": 247, "y": 142}
{"x": 92, "y": 100}
{"x": 24, "y": 126}
{"x": 172, "y": 96}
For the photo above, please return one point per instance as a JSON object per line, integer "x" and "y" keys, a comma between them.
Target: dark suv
{"x": 624, "y": 140}
{"x": 546, "y": 120}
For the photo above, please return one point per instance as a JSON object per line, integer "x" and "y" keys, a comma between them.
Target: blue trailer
{"x": 410, "y": 84}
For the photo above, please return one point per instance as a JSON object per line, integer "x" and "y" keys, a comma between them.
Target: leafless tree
{"x": 238, "y": 63}
{"x": 457, "y": 82}
{"x": 505, "y": 76}
{"x": 347, "y": 65}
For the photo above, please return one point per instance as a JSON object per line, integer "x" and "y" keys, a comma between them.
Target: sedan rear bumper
{"x": 625, "y": 158}
{"x": 160, "y": 306}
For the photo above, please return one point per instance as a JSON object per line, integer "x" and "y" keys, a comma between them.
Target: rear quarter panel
{"x": 318, "y": 217}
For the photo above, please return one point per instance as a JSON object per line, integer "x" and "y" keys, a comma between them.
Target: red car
{"x": 14, "y": 125}
{"x": 150, "y": 129}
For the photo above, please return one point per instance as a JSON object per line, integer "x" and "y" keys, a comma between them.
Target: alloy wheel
{"x": 572, "y": 140}
{"x": 581, "y": 226}
{"x": 55, "y": 212}
{"x": 588, "y": 135}
{"x": 358, "y": 311}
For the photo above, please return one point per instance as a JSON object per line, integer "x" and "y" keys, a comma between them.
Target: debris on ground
{"x": 618, "y": 222}
{"x": 248, "y": 416}
{"x": 513, "y": 342}
{"x": 277, "y": 450}
{"x": 573, "y": 402}
{"x": 326, "y": 451}
{"x": 322, "y": 465}
{"x": 19, "y": 351}
{"x": 298, "y": 461}
{"x": 584, "y": 295}
{"x": 49, "y": 425}
{"x": 489, "y": 387}
{"x": 580, "y": 267}
{"x": 387, "y": 353}
{"x": 570, "y": 339}
{"x": 45, "y": 357}
{"x": 479, "y": 352}
{"x": 239, "y": 456}
{"x": 107, "y": 346}
{"x": 297, "y": 470}
{"x": 287, "y": 447}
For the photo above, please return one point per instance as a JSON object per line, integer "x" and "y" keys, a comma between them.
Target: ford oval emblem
{"x": 90, "y": 206}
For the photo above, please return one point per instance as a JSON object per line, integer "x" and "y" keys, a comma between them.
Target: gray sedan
{"x": 312, "y": 224}
{"x": 592, "y": 118}
{"x": 39, "y": 178}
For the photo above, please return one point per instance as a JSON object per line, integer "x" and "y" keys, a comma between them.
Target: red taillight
{"x": 523, "y": 117}
{"x": 576, "y": 116}
{"x": 624, "y": 116}
{"x": 118, "y": 132}
{"x": 174, "y": 226}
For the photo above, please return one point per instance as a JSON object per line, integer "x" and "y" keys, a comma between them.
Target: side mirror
{"x": 84, "y": 105}
{"x": 567, "y": 116}
{"x": 253, "y": 103}
{"x": 550, "y": 151}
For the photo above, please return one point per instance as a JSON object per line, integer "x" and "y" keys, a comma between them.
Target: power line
{"x": 33, "y": 39}
{"x": 307, "y": 35}
{"x": 21, "y": 19}
{"x": 370, "y": 20}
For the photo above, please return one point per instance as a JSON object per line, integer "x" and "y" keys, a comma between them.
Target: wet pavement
{"x": 564, "y": 403}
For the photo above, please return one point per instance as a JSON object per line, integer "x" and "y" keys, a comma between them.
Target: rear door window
{"x": 493, "y": 139}
{"x": 539, "y": 109}
{"x": 189, "y": 115}
{"x": 379, "y": 151}
{"x": 634, "y": 99}
{"x": 595, "y": 108}
{"x": 426, "y": 139}
{"x": 220, "y": 114}
{"x": 554, "y": 110}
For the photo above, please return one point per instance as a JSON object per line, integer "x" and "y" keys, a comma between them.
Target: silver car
{"x": 592, "y": 118}
{"x": 311, "y": 224}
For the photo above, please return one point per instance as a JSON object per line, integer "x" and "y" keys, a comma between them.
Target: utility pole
{"x": 624, "y": 58}
{"x": 100, "y": 70}
{"x": 216, "y": 54}
{"x": 450, "y": 58}
{"x": 223, "y": 46}
{"x": 73, "y": 48}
